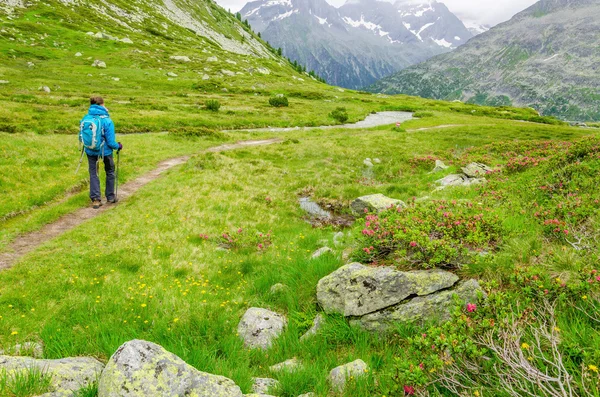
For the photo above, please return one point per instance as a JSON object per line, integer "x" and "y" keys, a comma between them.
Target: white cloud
{"x": 488, "y": 12}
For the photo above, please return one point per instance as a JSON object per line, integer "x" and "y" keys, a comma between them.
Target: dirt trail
{"x": 30, "y": 241}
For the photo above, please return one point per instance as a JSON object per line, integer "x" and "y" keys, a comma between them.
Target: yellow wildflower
{"x": 524, "y": 346}
{"x": 593, "y": 368}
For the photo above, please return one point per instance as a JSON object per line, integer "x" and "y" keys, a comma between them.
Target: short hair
{"x": 96, "y": 100}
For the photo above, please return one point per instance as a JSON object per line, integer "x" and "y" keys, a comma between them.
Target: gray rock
{"x": 475, "y": 170}
{"x": 338, "y": 239}
{"x": 311, "y": 394}
{"x": 78, "y": 54}
{"x": 212, "y": 59}
{"x": 374, "y": 202}
{"x": 46, "y": 89}
{"x": 278, "y": 288}
{"x": 259, "y": 327}
{"x": 317, "y": 325}
{"x": 171, "y": 74}
{"x": 126, "y": 40}
{"x": 263, "y": 385}
{"x": 357, "y": 290}
{"x": 30, "y": 64}
{"x": 439, "y": 166}
{"x": 376, "y": 161}
{"x": 68, "y": 374}
{"x": 206, "y": 77}
{"x": 367, "y": 162}
{"x": 181, "y": 58}
{"x": 99, "y": 64}
{"x": 320, "y": 252}
{"x": 452, "y": 180}
{"x": 312, "y": 208}
{"x": 139, "y": 368}
{"x": 116, "y": 79}
{"x": 434, "y": 307}
{"x": 263, "y": 71}
{"x": 229, "y": 61}
{"x": 258, "y": 395}
{"x": 224, "y": 90}
{"x": 339, "y": 375}
{"x": 31, "y": 349}
{"x": 4, "y": 82}
{"x": 288, "y": 365}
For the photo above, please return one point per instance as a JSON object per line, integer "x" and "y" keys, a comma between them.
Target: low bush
{"x": 423, "y": 114}
{"x": 212, "y": 105}
{"x": 278, "y": 101}
{"x": 437, "y": 233}
{"x": 340, "y": 115}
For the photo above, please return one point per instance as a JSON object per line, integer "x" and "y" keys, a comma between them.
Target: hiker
{"x": 97, "y": 133}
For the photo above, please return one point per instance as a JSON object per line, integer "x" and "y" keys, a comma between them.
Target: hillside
{"x": 360, "y": 42}
{"x": 544, "y": 57}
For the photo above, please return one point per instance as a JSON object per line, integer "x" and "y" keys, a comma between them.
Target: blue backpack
{"x": 91, "y": 132}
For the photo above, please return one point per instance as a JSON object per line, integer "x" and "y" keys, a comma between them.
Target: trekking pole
{"x": 80, "y": 160}
{"x": 117, "y": 176}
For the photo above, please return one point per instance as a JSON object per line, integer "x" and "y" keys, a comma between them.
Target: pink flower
{"x": 424, "y": 336}
{"x": 421, "y": 366}
{"x": 471, "y": 307}
{"x": 260, "y": 246}
{"x": 239, "y": 230}
{"x": 413, "y": 243}
{"x": 598, "y": 278}
{"x": 409, "y": 390}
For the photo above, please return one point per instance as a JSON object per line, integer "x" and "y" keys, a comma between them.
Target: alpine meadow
{"x": 275, "y": 235}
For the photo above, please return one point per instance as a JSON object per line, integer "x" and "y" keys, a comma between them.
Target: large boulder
{"x": 259, "y": 327}
{"x": 67, "y": 374}
{"x": 434, "y": 307}
{"x": 139, "y": 368}
{"x": 339, "y": 375}
{"x": 476, "y": 170}
{"x": 374, "y": 203}
{"x": 356, "y": 290}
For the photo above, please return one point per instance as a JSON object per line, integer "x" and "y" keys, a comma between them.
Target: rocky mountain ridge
{"x": 360, "y": 42}
{"x": 545, "y": 57}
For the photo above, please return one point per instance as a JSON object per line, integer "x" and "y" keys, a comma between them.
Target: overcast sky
{"x": 486, "y": 12}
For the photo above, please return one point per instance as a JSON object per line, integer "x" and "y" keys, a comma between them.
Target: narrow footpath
{"x": 26, "y": 243}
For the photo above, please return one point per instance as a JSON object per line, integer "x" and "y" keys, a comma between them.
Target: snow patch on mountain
{"x": 443, "y": 43}
{"x": 322, "y": 21}
{"x": 476, "y": 28}
{"x": 284, "y": 15}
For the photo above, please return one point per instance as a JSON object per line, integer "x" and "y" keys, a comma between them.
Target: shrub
{"x": 340, "y": 115}
{"x": 437, "y": 233}
{"x": 212, "y": 105}
{"x": 423, "y": 114}
{"x": 278, "y": 101}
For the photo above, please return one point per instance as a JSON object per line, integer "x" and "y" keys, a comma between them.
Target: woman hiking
{"x": 97, "y": 133}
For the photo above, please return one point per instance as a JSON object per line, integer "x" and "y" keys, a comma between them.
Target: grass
{"x": 27, "y": 383}
{"x": 152, "y": 277}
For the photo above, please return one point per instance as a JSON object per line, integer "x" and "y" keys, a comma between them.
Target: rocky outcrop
{"x": 378, "y": 297}
{"x": 356, "y": 290}
{"x": 374, "y": 203}
{"x": 339, "y": 375}
{"x": 139, "y": 368}
{"x": 475, "y": 170}
{"x": 421, "y": 309}
{"x": 67, "y": 375}
{"x": 258, "y": 328}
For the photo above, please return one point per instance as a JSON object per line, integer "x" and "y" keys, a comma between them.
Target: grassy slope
{"x": 152, "y": 277}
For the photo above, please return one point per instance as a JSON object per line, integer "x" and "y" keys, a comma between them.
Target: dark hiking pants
{"x": 109, "y": 167}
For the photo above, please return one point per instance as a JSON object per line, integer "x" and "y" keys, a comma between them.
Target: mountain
{"x": 545, "y": 57}
{"x": 362, "y": 41}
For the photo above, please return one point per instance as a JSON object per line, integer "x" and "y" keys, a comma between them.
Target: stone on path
{"x": 317, "y": 325}
{"x": 338, "y": 377}
{"x": 437, "y": 306}
{"x": 288, "y": 365}
{"x": 262, "y": 385}
{"x": 375, "y": 202}
{"x": 67, "y": 374}
{"x": 140, "y": 368}
{"x": 476, "y": 170}
{"x": 258, "y": 328}
{"x": 357, "y": 290}
{"x": 320, "y": 252}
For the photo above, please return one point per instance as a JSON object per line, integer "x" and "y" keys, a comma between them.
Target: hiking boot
{"x": 112, "y": 201}
{"x": 96, "y": 204}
